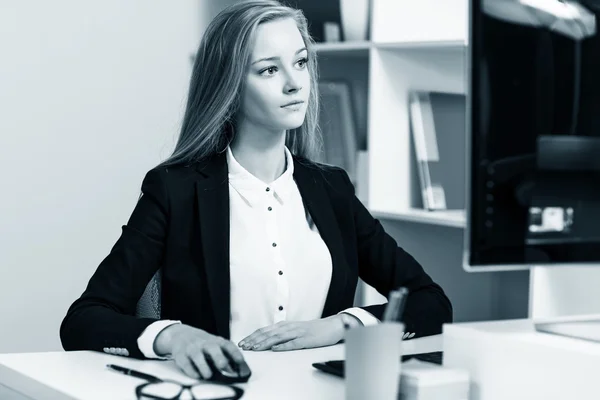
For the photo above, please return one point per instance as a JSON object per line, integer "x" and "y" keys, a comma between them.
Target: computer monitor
{"x": 533, "y": 134}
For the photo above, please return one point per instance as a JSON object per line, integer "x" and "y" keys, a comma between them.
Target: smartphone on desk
{"x": 336, "y": 367}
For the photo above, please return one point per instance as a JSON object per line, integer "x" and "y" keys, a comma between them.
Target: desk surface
{"x": 82, "y": 374}
{"x": 511, "y": 360}
{"x": 523, "y": 331}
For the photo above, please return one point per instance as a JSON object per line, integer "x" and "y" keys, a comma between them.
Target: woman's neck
{"x": 263, "y": 158}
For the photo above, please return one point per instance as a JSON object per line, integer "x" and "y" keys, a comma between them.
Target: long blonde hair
{"x": 218, "y": 78}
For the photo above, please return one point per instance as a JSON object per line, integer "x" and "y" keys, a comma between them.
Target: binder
{"x": 338, "y": 127}
{"x": 437, "y": 122}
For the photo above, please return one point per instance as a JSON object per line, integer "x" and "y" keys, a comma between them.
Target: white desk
{"x": 82, "y": 374}
{"x": 511, "y": 360}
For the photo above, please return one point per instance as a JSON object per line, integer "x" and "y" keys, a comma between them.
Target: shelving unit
{"x": 417, "y": 45}
{"x": 412, "y": 46}
{"x": 394, "y": 72}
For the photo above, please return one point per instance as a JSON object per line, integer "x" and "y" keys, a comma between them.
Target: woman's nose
{"x": 292, "y": 84}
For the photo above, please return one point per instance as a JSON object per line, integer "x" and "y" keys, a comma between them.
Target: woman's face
{"x": 277, "y": 75}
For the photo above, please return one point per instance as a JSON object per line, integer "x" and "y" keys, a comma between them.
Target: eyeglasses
{"x": 171, "y": 390}
{"x": 159, "y": 389}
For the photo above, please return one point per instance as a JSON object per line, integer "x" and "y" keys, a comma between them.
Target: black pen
{"x": 134, "y": 373}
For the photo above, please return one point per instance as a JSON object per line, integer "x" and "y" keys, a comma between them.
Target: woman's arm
{"x": 104, "y": 314}
{"x": 386, "y": 266}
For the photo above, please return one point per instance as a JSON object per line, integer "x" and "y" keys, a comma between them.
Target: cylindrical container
{"x": 373, "y": 361}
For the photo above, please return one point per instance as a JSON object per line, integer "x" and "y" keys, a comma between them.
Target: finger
{"x": 275, "y": 339}
{"x": 213, "y": 350}
{"x": 295, "y": 344}
{"x": 198, "y": 361}
{"x": 232, "y": 352}
{"x": 245, "y": 342}
{"x": 259, "y": 332}
{"x": 185, "y": 364}
{"x": 411, "y": 335}
{"x": 253, "y": 344}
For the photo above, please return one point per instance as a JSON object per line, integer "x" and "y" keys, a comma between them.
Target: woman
{"x": 258, "y": 245}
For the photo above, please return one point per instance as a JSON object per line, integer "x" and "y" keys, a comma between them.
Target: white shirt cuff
{"x": 146, "y": 340}
{"x": 364, "y": 316}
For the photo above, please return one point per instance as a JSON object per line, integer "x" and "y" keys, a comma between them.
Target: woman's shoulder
{"x": 172, "y": 171}
{"x": 317, "y": 166}
{"x": 332, "y": 175}
{"x": 173, "y": 174}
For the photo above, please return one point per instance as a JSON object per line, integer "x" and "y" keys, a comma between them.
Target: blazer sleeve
{"x": 104, "y": 314}
{"x": 386, "y": 266}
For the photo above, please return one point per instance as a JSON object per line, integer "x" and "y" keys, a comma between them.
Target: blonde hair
{"x": 218, "y": 78}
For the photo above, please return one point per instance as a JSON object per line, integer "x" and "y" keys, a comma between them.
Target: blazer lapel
{"x": 310, "y": 183}
{"x": 212, "y": 194}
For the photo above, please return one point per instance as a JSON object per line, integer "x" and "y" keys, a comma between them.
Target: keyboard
{"x": 336, "y": 367}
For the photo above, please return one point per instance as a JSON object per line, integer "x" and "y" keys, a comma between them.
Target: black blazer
{"x": 181, "y": 224}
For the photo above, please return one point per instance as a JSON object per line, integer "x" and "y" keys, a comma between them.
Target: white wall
{"x": 474, "y": 296}
{"x": 91, "y": 97}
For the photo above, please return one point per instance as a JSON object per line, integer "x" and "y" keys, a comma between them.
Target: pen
{"x": 134, "y": 373}
{"x": 403, "y": 294}
{"x": 391, "y": 310}
{"x": 395, "y": 307}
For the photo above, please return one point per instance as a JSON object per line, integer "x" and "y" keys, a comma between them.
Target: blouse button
{"x": 270, "y": 208}
{"x": 280, "y": 272}
{"x": 274, "y": 244}
{"x": 280, "y": 308}
{"x": 268, "y": 189}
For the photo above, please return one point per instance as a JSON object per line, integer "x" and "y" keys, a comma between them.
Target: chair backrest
{"x": 148, "y": 305}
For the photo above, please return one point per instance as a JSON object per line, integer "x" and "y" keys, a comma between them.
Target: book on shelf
{"x": 338, "y": 127}
{"x": 437, "y": 124}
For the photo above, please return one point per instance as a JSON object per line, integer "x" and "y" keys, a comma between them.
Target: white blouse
{"x": 280, "y": 267}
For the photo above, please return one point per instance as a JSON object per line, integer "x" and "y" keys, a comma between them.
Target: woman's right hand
{"x": 191, "y": 347}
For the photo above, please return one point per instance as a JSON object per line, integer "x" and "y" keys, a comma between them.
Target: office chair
{"x": 148, "y": 305}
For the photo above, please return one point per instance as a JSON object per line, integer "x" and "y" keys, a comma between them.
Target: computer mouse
{"x": 234, "y": 373}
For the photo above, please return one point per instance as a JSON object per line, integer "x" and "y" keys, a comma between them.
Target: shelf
{"x": 422, "y": 45}
{"x": 343, "y": 48}
{"x": 452, "y": 218}
{"x": 362, "y": 47}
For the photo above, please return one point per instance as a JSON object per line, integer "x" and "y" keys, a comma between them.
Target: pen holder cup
{"x": 372, "y": 366}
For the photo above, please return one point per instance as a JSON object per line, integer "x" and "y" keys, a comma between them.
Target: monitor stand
{"x": 565, "y": 301}
{"x": 561, "y": 291}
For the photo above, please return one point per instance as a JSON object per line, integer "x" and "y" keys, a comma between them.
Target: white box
{"x": 421, "y": 380}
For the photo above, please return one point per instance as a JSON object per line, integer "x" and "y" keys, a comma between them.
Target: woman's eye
{"x": 303, "y": 61}
{"x": 270, "y": 71}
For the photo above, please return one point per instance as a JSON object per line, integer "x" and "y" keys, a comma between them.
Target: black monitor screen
{"x": 534, "y": 110}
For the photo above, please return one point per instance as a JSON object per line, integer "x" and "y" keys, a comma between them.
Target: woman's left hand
{"x": 288, "y": 335}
